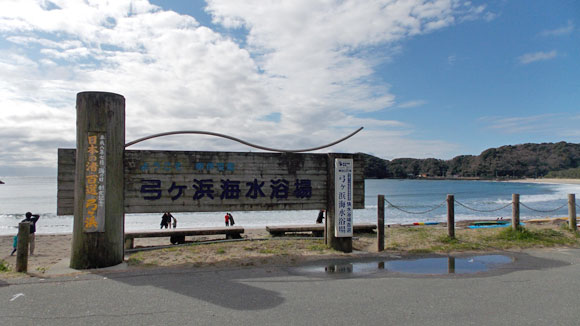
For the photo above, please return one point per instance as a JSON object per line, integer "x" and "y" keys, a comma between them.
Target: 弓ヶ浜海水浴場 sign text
{"x": 189, "y": 181}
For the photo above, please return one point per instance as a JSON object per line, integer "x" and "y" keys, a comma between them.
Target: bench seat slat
{"x": 277, "y": 229}
{"x": 183, "y": 232}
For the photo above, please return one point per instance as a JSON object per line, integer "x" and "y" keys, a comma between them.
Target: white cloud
{"x": 565, "y": 30}
{"x": 411, "y": 104}
{"x": 537, "y": 56}
{"x": 310, "y": 62}
{"x": 551, "y": 125}
{"x": 517, "y": 124}
{"x": 451, "y": 59}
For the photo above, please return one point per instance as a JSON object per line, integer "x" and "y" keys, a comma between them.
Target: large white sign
{"x": 343, "y": 197}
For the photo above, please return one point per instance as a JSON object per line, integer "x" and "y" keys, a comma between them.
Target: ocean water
{"x": 38, "y": 195}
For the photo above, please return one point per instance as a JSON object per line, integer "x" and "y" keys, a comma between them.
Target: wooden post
{"x": 98, "y": 229}
{"x": 450, "y": 265}
{"x": 343, "y": 244}
{"x": 451, "y": 216}
{"x": 22, "y": 247}
{"x": 325, "y": 226}
{"x": 515, "y": 212}
{"x": 381, "y": 223}
{"x": 572, "y": 212}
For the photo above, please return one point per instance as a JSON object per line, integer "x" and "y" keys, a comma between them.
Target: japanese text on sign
{"x": 343, "y": 197}
{"x": 95, "y": 173}
{"x": 152, "y": 189}
{"x": 199, "y": 167}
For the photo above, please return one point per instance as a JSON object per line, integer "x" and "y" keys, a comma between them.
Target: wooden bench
{"x": 177, "y": 236}
{"x": 315, "y": 229}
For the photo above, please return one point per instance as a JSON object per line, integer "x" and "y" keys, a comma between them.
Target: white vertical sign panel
{"x": 343, "y": 200}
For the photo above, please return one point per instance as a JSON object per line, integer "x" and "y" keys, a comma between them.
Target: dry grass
{"x": 405, "y": 240}
{"x": 246, "y": 253}
{"x": 425, "y": 239}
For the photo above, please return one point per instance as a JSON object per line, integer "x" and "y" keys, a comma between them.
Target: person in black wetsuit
{"x": 166, "y": 220}
{"x": 32, "y": 219}
{"x": 320, "y": 216}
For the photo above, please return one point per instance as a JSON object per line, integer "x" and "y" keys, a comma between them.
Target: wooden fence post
{"x": 381, "y": 223}
{"x": 572, "y": 212}
{"x": 98, "y": 230}
{"x": 451, "y": 216}
{"x": 515, "y": 212}
{"x": 22, "y": 247}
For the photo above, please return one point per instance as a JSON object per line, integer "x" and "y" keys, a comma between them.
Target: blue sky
{"x": 434, "y": 78}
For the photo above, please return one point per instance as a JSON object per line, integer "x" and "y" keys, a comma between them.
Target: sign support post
{"x": 98, "y": 229}
{"x": 340, "y": 243}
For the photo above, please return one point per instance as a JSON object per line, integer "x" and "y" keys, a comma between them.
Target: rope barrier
{"x": 417, "y": 213}
{"x": 542, "y": 211}
{"x": 475, "y": 209}
{"x": 483, "y": 210}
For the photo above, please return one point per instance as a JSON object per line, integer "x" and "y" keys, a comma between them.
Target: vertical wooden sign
{"x": 98, "y": 229}
{"x": 339, "y": 213}
{"x": 343, "y": 197}
{"x": 95, "y": 181}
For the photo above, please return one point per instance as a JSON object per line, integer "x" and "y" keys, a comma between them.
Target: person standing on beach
{"x": 227, "y": 217}
{"x": 32, "y": 219}
{"x": 14, "y": 245}
{"x": 166, "y": 220}
{"x": 231, "y": 218}
{"x": 320, "y": 216}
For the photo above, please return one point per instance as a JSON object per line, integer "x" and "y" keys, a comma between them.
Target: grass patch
{"x": 545, "y": 237}
{"x": 220, "y": 251}
{"x": 135, "y": 259}
{"x": 318, "y": 247}
{"x": 435, "y": 240}
{"x": 4, "y": 267}
{"x": 448, "y": 240}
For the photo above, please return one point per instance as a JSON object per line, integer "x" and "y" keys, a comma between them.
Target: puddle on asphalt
{"x": 423, "y": 266}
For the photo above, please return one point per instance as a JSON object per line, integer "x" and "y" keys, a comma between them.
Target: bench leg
{"x": 233, "y": 236}
{"x": 177, "y": 239}
{"x": 129, "y": 243}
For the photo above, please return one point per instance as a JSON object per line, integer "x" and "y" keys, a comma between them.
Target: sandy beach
{"x": 547, "y": 180}
{"x": 52, "y": 249}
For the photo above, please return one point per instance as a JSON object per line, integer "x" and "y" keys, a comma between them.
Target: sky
{"x": 425, "y": 79}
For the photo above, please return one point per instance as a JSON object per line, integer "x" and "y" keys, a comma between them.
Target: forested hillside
{"x": 519, "y": 161}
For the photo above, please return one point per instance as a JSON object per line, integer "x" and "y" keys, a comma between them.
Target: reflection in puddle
{"x": 446, "y": 265}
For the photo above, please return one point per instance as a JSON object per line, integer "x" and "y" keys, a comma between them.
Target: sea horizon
{"x": 410, "y": 196}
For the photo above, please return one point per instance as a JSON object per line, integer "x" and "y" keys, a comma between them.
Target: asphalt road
{"x": 538, "y": 288}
